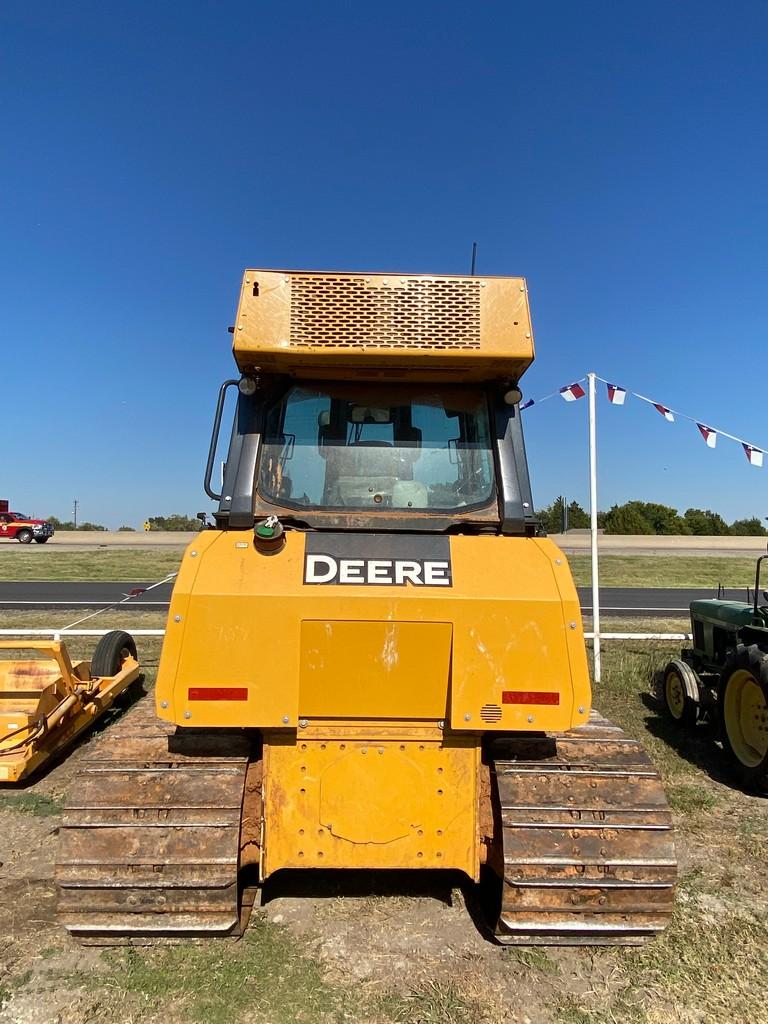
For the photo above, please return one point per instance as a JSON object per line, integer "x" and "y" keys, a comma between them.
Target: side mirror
{"x": 203, "y": 517}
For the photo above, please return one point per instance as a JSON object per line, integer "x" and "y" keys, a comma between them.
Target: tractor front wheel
{"x": 743, "y": 698}
{"x": 681, "y": 693}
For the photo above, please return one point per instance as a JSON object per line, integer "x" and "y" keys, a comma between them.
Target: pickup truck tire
{"x": 24, "y": 536}
{"x": 41, "y": 540}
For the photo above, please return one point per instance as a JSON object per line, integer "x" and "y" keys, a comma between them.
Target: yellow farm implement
{"x": 46, "y": 701}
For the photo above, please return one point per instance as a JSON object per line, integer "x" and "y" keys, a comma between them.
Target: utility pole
{"x": 75, "y": 503}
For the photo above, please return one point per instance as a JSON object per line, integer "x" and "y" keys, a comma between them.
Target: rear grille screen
{"x": 490, "y": 713}
{"x": 346, "y": 312}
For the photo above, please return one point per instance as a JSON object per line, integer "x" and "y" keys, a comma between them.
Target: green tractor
{"x": 723, "y": 678}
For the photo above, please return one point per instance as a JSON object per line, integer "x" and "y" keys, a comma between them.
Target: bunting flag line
{"x": 755, "y": 455}
{"x": 709, "y": 435}
{"x": 573, "y": 392}
{"x": 617, "y": 396}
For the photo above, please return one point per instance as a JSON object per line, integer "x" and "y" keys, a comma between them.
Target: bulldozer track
{"x": 587, "y": 840}
{"x": 150, "y": 838}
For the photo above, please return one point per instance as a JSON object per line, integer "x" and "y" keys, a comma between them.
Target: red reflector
{"x": 530, "y": 697}
{"x": 218, "y": 693}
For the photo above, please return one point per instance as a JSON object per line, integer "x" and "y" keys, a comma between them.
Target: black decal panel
{"x": 377, "y": 559}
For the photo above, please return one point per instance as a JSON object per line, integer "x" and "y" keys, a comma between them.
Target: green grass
{"x": 143, "y": 564}
{"x": 432, "y": 1002}
{"x": 31, "y": 803}
{"x": 665, "y": 571}
{"x": 270, "y": 974}
{"x": 690, "y": 798}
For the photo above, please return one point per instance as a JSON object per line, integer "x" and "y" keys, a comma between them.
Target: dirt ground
{"x": 381, "y": 948}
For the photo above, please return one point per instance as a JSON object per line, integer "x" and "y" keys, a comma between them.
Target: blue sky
{"x": 615, "y": 155}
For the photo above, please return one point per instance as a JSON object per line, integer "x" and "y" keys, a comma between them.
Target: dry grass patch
{"x": 703, "y": 570}
{"x": 140, "y": 565}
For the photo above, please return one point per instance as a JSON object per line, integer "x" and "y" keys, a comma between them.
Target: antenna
{"x": 474, "y": 259}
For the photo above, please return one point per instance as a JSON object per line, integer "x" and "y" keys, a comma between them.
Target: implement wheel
{"x": 680, "y": 693}
{"x": 111, "y": 651}
{"x": 743, "y": 697}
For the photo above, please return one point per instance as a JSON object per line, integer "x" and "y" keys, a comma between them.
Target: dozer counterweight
{"x": 373, "y": 660}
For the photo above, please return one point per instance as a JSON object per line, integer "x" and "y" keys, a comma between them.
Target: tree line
{"x": 646, "y": 517}
{"x": 176, "y": 522}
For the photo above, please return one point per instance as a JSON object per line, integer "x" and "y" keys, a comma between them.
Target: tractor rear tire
{"x": 24, "y": 536}
{"x": 679, "y": 684}
{"x": 743, "y": 700}
{"x": 111, "y": 651}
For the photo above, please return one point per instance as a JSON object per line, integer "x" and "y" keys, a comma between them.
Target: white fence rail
{"x": 57, "y": 633}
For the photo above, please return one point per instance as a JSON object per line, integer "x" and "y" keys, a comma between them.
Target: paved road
{"x": 41, "y": 596}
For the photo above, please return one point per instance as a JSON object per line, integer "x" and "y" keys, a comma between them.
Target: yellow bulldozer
{"x": 374, "y": 659}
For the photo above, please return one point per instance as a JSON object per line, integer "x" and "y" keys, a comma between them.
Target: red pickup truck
{"x": 15, "y": 526}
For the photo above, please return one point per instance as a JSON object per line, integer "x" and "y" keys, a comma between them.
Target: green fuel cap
{"x": 265, "y": 531}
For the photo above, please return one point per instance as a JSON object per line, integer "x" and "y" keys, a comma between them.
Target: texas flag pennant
{"x": 616, "y": 395}
{"x": 572, "y": 392}
{"x": 755, "y": 455}
{"x": 664, "y": 412}
{"x": 709, "y": 435}
{"x": 528, "y": 404}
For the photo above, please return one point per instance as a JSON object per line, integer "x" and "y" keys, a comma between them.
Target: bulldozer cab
{"x": 365, "y": 455}
{"x": 370, "y": 403}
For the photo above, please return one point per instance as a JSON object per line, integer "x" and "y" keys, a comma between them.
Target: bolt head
{"x": 286, "y": 719}
{"x": 530, "y": 718}
{"x": 441, "y": 724}
{"x": 177, "y": 618}
{"x": 303, "y": 723}
{"x": 558, "y": 561}
{"x": 163, "y": 703}
{"x": 467, "y": 717}
{"x": 572, "y": 625}
{"x": 187, "y": 714}
{"x": 193, "y": 554}
{"x": 581, "y": 711}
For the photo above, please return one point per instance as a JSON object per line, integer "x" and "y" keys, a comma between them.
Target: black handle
{"x": 215, "y": 438}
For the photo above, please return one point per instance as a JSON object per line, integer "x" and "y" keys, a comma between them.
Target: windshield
{"x": 363, "y": 446}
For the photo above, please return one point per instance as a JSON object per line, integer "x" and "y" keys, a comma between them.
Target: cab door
{"x": 7, "y": 525}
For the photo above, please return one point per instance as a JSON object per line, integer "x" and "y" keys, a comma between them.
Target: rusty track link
{"x": 587, "y": 837}
{"x": 150, "y": 839}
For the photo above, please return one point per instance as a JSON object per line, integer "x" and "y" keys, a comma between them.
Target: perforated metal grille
{"x": 403, "y": 313}
{"x": 490, "y": 713}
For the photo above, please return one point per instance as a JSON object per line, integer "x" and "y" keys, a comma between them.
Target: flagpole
{"x": 593, "y": 527}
